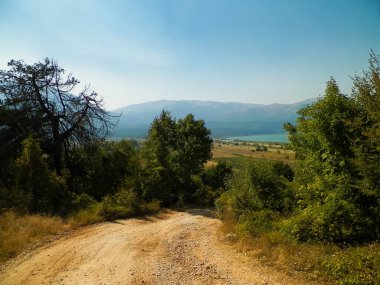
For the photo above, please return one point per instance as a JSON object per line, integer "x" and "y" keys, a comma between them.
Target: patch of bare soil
{"x": 169, "y": 248}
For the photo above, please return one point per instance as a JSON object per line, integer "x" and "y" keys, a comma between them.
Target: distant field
{"x": 237, "y": 153}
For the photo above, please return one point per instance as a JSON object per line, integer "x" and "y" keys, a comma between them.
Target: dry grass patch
{"x": 326, "y": 264}
{"x": 209, "y": 164}
{"x": 296, "y": 259}
{"x": 18, "y": 232}
{"x": 275, "y": 250}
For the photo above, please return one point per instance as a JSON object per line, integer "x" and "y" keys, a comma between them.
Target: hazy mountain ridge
{"x": 223, "y": 118}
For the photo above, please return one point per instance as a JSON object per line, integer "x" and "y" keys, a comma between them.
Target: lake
{"x": 280, "y": 138}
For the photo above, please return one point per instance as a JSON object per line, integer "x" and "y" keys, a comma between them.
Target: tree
{"x": 173, "y": 152}
{"x": 102, "y": 168}
{"x": 193, "y": 145}
{"x": 335, "y": 202}
{"x": 42, "y": 190}
{"x": 322, "y": 132}
{"x": 38, "y": 99}
{"x": 159, "y": 180}
{"x": 366, "y": 94}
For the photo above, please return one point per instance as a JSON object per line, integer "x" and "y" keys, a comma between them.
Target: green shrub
{"x": 110, "y": 211}
{"x": 258, "y": 186}
{"x": 256, "y": 197}
{"x": 205, "y": 195}
{"x": 217, "y": 176}
{"x": 43, "y": 190}
{"x": 14, "y": 199}
{"x": 354, "y": 266}
{"x": 328, "y": 211}
{"x": 151, "y": 207}
{"x": 256, "y": 223}
{"x": 124, "y": 204}
{"x": 82, "y": 201}
{"x": 89, "y": 215}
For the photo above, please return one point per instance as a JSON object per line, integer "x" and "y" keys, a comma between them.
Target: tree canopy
{"x": 38, "y": 99}
{"x": 337, "y": 143}
{"x": 173, "y": 152}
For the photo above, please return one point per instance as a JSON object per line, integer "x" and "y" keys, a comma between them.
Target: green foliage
{"x": 126, "y": 203}
{"x": 237, "y": 162}
{"x": 336, "y": 183}
{"x": 43, "y": 191}
{"x": 210, "y": 184}
{"x": 193, "y": 146}
{"x": 101, "y": 168}
{"x": 255, "y": 195}
{"x": 173, "y": 153}
{"x": 261, "y": 148}
{"x": 13, "y": 199}
{"x": 217, "y": 176}
{"x": 322, "y": 133}
{"x": 335, "y": 221}
{"x": 257, "y": 222}
{"x": 81, "y": 201}
{"x": 331, "y": 197}
{"x": 354, "y": 266}
{"x": 88, "y": 215}
{"x": 158, "y": 177}
{"x": 283, "y": 170}
{"x": 333, "y": 194}
{"x": 122, "y": 205}
{"x": 204, "y": 195}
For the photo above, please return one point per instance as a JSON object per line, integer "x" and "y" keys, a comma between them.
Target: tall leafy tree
{"x": 328, "y": 139}
{"x": 173, "y": 152}
{"x": 366, "y": 93}
{"x": 159, "y": 180}
{"x": 39, "y": 99}
{"x": 193, "y": 145}
{"x": 323, "y": 134}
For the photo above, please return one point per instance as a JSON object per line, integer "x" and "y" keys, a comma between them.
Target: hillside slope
{"x": 223, "y": 118}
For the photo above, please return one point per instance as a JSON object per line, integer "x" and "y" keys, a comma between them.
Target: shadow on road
{"x": 167, "y": 213}
{"x": 204, "y": 212}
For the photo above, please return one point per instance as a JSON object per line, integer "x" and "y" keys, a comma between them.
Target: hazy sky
{"x": 263, "y": 51}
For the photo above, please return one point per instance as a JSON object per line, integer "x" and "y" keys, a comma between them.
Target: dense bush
{"x": 126, "y": 203}
{"x": 356, "y": 265}
{"x": 36, "y": 188}
{"x": 256, "y": 196}
{"x": 99, "y": 169}
{"x": 336, "y": 181}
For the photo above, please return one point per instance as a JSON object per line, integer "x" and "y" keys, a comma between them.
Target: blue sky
{"x": 257, "y": 51}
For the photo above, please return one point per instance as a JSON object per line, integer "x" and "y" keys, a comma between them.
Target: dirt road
{"x": 169, "y": 248}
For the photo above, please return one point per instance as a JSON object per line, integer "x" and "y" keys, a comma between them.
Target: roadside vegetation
{"x": 322, "y": 216}
{"x": 59, "y": 172}
{"x": 310, "y": 207}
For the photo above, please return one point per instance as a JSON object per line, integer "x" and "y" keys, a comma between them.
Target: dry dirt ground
{"x": 169, "y": 248}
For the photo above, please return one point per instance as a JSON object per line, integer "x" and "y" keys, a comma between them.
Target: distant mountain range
{"x": 224, "y": 119}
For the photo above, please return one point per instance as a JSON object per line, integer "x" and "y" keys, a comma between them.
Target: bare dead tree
{"x": 42, "y": 94}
